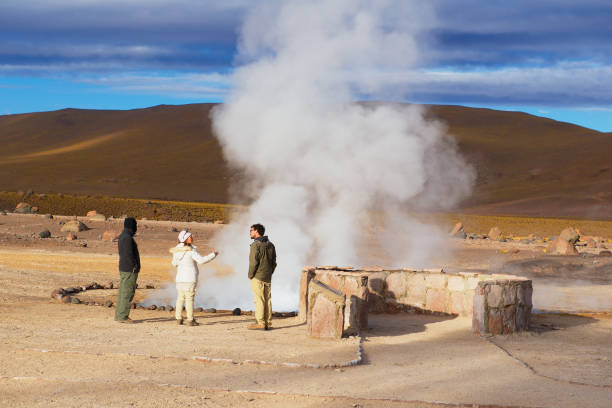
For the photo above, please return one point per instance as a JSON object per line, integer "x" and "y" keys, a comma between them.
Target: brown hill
{"x": 525, "y": 164}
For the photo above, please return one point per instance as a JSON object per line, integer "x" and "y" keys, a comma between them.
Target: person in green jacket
{"x": 262, "y": 262}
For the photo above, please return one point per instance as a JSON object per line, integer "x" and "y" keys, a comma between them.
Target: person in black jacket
{"x": 129, "y": 266}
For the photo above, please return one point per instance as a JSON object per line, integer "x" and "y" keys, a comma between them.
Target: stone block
{"x": 435, "y": 280}
{"x": 307, "y": 274}
{"x": 494, "y": 295}
{"x": 330, "y": 279}
{"x": 524, "y": 294}
{"x": 455, "y": 303}
{"x": 456, "y": 283}
{"x": 436, "y": 300}
{"x": 495, "y": 322}
{"x": 509, "y": 319}
{"x": 376, "y": 282}
{"x": 396, "y": 285}
{"x": 509, "y": 295}
{"x": 479, "y": 317}
{"x": 376, "y": 303}
{"x": 468, "y": 300}
{"x": 325, "y": 311}
{"x": 523, "y": 315}
{"x": 416, "y": 290}
{"x": 471, "y": 283}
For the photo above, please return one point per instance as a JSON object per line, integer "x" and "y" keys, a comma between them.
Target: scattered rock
{"x": 23, "y": 208}
{"x": 2, "y": 212}
{"x": 76, "y": 300}
{"x": 108, "y": 303}
{"x": 74, "y": 226}
{"x": 152, "y": 307}
{"x": 149, "y": 287}
{"x": 162, "y": 307}
{"x": 109, "y": 285}
{"x": 605, "y": 253}
{"x": 591, "y": 243}
{"x": 47, "y": 216}
{"x": 210, "y": 310}
{"x": 494, "y": 234}
{"x": 237, "y": 311}
{"x": 83, "y": 245}
{"x": 561, "y": 246}
{"x": 110, "y": 236}
{"x": 71, "y": 236}
{"x": 45, "y": 234}
{"x": 569, "y": 235}
{"x": 174, "y": 229}
{"x": 58, "y": 291}
{"x": 219, "y": 222}
{"x": 170, "y": 308}
{"x": 34, "y": 209}
{"x": 66, "y": 299}
{"x": 198, "y": 310}
{"x": 91, "y": 213}
{"x": 98, "y": 217}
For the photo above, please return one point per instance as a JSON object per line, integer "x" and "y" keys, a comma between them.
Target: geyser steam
{"x": 319, "y": 165}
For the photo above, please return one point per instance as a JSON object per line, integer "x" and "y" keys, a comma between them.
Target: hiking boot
{"x": 192, "y": 323}
{"x": 257, "y": 326}
{"x": 128, "y": 321}
{"x": 179, "y": 321}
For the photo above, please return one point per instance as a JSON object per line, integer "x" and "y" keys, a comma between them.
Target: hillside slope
{"x": 525, "y": 164}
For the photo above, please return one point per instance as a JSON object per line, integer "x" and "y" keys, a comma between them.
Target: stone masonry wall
{"x": 325, "y": 311}
{"x": 392, "y": 291}
{"x": 352, "y": 284}
{"x": 502, "y": 306}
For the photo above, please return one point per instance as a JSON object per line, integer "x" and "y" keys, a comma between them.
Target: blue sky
{"x": 548, "y": 58}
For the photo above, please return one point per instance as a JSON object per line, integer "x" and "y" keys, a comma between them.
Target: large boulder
{"x": 561, "y": 247}
{"x": 74, "y": 226}
{"x": 24, "y": 208}
{"x": 494, "y": 234}
{"x": 457, "y": 231}
{"x": 570, "y": 235}
{"x": 110, "y": 236}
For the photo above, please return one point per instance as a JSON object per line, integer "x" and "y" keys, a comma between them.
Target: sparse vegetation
{"x": 64, "y": 204}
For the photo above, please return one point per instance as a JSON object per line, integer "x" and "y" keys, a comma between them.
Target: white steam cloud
{"x": 330, "y": 179}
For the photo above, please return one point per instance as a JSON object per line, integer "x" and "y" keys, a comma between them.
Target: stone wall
{"x": 427, "y": 291}
{"x": 326, "y": 311}
{"x": 502, "y": 306}
{"x": 352, "y": 284}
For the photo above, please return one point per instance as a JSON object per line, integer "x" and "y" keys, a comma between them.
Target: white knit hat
{"x": 183, "y": 235}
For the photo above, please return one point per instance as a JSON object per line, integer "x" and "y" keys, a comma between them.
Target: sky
{"x": 547, "y": 58}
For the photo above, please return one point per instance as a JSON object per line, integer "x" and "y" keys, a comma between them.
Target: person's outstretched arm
{"x": 203, "y": 259}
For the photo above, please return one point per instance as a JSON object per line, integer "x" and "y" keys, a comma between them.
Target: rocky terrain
{"x": 59, "y": 353}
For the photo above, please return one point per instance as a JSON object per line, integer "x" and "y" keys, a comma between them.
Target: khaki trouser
{"x": 263, "y": 301}
{"x": 127, "y": 288}
{"x": 184, "y": 295}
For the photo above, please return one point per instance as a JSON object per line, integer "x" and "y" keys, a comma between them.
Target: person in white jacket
{"x": 186, "y": 259}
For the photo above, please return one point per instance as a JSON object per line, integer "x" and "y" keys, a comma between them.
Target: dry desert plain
{"x": 73, "y": 355}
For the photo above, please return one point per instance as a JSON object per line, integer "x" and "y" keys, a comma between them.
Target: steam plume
{"x": 319, "y": 165}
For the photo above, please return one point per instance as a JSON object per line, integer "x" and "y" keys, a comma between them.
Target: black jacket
{"x": 129, "y": 258}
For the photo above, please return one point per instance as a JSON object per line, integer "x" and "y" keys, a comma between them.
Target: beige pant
{"x": 184, "y": 295}
{"x": 263, "y": 301}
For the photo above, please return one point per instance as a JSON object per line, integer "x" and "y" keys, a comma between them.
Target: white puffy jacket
{"x": 186, "y": 259}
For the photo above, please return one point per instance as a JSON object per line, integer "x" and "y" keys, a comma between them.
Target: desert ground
{"x": 73, "y": 355}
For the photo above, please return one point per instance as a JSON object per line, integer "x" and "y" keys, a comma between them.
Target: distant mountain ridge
{"x": 526, "y": 165}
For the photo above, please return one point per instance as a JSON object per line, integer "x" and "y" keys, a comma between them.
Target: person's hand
{"x": 216, "y": 253}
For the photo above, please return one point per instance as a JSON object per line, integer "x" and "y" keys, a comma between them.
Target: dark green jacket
{"x": 262, "y": 259}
